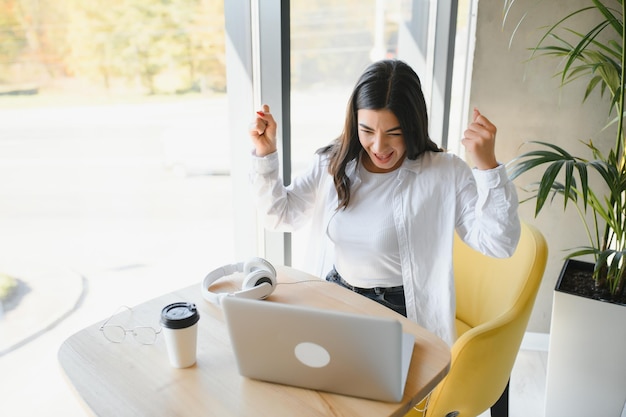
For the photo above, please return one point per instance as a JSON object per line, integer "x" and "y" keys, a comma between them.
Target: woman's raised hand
{"x": 480, "y": 140}
{"x": 263, "y": 132}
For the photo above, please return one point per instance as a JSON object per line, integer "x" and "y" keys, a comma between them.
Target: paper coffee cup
{"x": 180, "y": 329}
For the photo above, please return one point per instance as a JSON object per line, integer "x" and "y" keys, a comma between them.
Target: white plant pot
{"x": 586, "y": 359}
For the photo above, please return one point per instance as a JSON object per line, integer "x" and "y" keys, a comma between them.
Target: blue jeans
{"x": 390, "y": 297}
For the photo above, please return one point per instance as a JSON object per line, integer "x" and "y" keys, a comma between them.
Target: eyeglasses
{"x": 116, "y": 334}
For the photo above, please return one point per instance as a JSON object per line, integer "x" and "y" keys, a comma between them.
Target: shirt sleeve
{"x": 283, "y": 208}
{"x": 488, "y": 220}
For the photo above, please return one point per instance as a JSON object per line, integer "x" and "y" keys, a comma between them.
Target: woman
{"x": 385, "y": 201}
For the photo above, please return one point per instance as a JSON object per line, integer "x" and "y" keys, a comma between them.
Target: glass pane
{"x": 114, "y": 170}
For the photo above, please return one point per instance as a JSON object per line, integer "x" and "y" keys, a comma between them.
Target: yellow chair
{"x": 494, "y": 301}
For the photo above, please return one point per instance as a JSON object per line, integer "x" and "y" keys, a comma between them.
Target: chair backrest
{"x": 494, "y": 300}
{"x": 487, "y": 288}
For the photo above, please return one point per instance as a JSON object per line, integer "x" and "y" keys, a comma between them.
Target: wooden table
{"x": 129, "y": 379}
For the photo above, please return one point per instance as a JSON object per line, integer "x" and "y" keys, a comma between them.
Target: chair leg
{"x": 501, "y": 407}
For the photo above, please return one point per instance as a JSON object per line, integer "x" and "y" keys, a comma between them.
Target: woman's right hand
{"x": 263, "y": 132}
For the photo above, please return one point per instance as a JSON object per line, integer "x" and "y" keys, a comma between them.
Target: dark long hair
{"x": 390, "y": 85}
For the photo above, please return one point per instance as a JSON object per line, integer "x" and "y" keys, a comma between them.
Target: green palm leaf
{"x": 595, "y": 54}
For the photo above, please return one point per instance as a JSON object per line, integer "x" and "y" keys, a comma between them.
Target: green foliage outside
{"x": 172, "y": 46}
{"x": 7, "y": 285}
{"x": 164, "y": 46}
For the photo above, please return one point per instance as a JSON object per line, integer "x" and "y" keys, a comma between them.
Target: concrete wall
{"x": 526, "y": 102}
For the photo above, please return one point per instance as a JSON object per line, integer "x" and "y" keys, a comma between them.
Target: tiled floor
{"x": 528, "y": 382}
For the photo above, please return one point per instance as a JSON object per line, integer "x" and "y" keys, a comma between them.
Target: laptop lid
{"x": 343, "y": 353}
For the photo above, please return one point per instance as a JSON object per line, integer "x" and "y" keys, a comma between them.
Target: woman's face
{"x": 381, "y": 137}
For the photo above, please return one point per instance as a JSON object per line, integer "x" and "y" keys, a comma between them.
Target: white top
{"x": 436, "y": 194}
{"x": 367, "y": 253}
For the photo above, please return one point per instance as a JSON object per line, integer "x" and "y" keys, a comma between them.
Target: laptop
{"x": 324, "y": 350}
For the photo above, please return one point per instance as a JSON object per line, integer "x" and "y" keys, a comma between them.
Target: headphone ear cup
{"x": 259, "y": 263}
{"x": 258, "y": 277}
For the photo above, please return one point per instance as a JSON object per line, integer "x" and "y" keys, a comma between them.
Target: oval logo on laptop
{"x": 312, "y": 355}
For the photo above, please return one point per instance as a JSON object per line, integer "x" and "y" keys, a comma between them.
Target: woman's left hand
{"x": 480, "y": 140}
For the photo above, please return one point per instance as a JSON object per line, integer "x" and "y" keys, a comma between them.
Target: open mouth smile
{"x": 383, "y": 158}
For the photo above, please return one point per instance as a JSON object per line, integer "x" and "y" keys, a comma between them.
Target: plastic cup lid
{"x": 179, "y": 315}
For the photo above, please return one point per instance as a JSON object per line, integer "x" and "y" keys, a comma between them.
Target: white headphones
{"x": 259, "y": 282}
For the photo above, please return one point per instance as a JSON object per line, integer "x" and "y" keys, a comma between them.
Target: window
{"x": 114, "y": 158}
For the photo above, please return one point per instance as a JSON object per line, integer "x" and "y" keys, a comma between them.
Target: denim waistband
{"x": 365, "y": 291}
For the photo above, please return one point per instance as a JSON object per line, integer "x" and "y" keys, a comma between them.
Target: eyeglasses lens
{"x": 114, "y": 334}
{"x": 144, "y": 335}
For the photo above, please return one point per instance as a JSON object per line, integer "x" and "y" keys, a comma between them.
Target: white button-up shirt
{"x": 435, "y": 195}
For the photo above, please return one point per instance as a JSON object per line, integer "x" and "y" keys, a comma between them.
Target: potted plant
{"x": 597, "y": 54}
